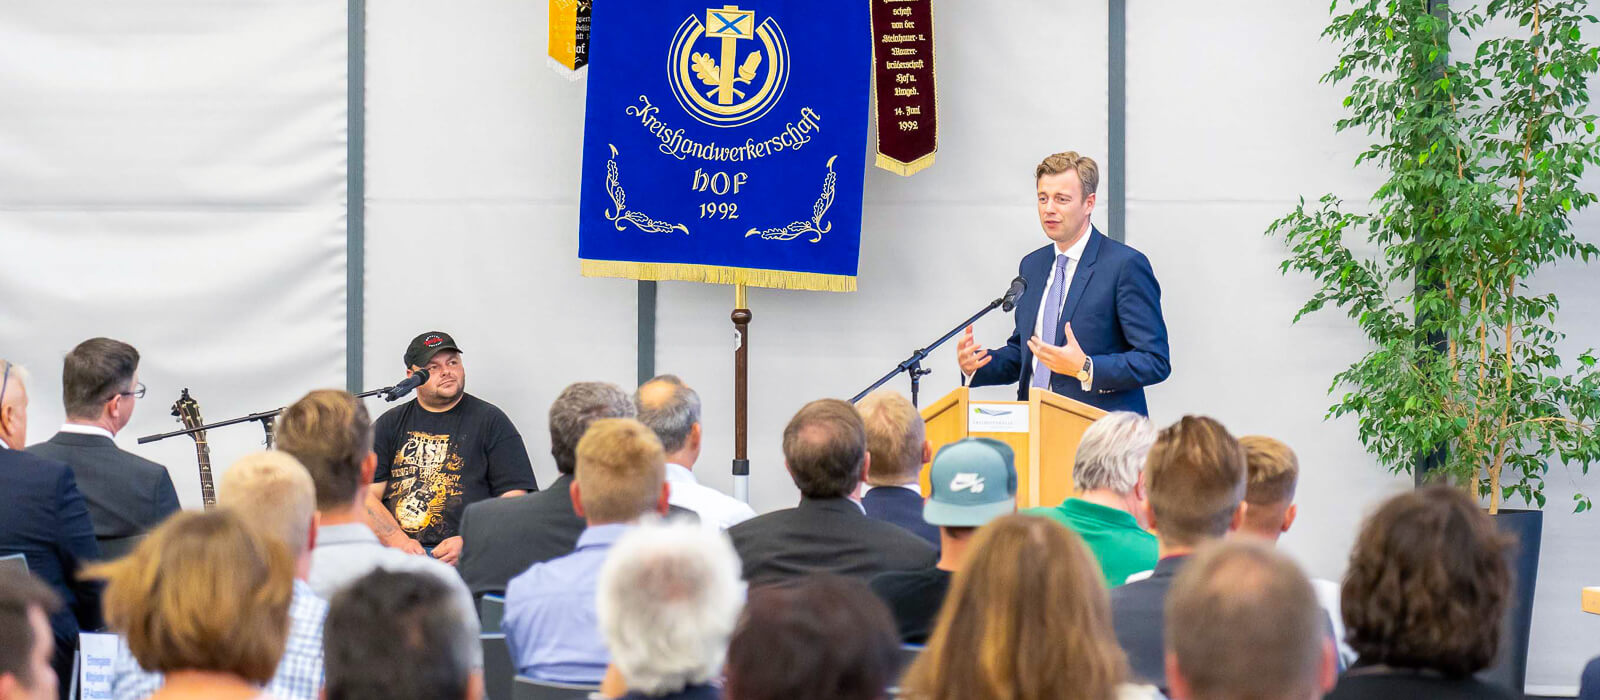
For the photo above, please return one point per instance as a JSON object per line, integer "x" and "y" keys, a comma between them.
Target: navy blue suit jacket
{"x": 1114, "y": 306}
{"x": 46, "y": 521}
{"x": 899, "y": 506}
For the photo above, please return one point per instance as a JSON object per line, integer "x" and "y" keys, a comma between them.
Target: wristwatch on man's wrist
{"x": 1083, "y": 372}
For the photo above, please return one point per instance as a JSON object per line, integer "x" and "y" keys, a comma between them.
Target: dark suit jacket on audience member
{"x": 1373, "y": 683}
{"x": 45, "y": 520}
{"x": 127, "y": 494}
{"x": 1138, "y": 614}
{"x": 829, "y": 535}
{"x": 502, "y": 537}
{"x": 899, "y": 506}
{"x": 1589, "y": 682}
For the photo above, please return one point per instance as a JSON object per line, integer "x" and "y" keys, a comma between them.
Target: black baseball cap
{"x": 425, "y": 346}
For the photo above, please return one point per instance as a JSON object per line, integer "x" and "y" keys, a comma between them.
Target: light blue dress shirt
{"x": 550, "y": 621}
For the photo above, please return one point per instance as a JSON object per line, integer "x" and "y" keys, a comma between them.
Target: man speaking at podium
{"x": 1089, "y": 325}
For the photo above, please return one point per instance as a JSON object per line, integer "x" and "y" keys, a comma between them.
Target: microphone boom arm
{"x": 913, "y": 364}
{"x": 266, "y": 418}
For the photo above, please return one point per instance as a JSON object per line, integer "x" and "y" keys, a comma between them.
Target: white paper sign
{"x": 997, "y": 417}
{"x": 99, "y": 653}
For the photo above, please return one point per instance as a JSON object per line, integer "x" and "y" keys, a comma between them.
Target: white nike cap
{"x": 973, "y": 481}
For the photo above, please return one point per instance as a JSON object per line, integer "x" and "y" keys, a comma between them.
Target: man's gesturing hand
{"x": 969, "y": 354}
{"x": 1060, "y": 359}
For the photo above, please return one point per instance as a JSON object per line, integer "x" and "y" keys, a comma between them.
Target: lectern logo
{"x": 729, "y": 70}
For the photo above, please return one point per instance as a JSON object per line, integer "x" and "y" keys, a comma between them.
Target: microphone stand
{"x": 267, "y": 419}
{"x": 913, "y": 364}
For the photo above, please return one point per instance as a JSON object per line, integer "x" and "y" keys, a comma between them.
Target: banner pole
{"x": 741, "y": 374}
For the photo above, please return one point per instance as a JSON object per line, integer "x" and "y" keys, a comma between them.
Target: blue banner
{"x": 726, "y": 143}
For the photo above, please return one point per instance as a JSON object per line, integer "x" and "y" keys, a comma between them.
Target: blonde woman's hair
{"x": 1027, "y": 618}
{"x": 204, "y": 592}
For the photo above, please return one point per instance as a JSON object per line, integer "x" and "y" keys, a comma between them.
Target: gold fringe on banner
{"x": 904, "y": 169}
{"x": 716, "y": 274}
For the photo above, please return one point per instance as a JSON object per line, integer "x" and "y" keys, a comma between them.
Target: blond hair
{"x": 895, "y": 436}
{"x": 1027, "y": 618}
{"x": 204, "y": 592}
{"x": 1070, "y": 161}
{"x": 274, "y": 491}
{"x": 1274, "y": 471}
{"x": 621, "y": 468}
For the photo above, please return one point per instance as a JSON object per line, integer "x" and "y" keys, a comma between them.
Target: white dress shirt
{"x": 714, "y": 507}
{"x": 914, "y": 487}
{"x": 1074, "y": 254}
{"x": 82, "y": 429}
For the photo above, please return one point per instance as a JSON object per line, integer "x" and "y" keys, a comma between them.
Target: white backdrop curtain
{"x": 172, "y": 174}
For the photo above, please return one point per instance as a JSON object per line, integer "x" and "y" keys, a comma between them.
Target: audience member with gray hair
{"x": 502, "y": 537}
{"x": 1244, "y": 622}
{"x": 1108, "y": 473}
{"x": 672, "y": 410}
{"x": 46, "y": 521}
{"x": 669, "y": 598}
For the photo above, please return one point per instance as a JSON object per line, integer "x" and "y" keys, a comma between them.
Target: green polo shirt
{"x": 1121, "y": 546}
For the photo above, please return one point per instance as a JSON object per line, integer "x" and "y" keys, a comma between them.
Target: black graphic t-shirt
{"x": 436, "y": 464}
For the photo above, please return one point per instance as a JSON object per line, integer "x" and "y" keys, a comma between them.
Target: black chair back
{"x": 498, "y": 668}
{"x": 529, "y": 689}
{"x": 117, "y": 547}
{"x": 491, "y": 610}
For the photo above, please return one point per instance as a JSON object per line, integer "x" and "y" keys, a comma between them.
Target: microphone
{"x": 417, "y": 378}
{"x": 1009, "y": 301}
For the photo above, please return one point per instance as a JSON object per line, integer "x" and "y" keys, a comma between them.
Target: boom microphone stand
{"x": 913, "y": 364}
{"x": 389, "y": 393}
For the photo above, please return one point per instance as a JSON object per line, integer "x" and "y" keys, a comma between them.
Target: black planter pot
{"x": 1511, "y": 665}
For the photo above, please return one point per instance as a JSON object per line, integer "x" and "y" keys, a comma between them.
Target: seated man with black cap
{"x": 439, "y": 454}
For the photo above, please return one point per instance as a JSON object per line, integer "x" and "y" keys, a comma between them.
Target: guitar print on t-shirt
{"x": 424, "y": 482}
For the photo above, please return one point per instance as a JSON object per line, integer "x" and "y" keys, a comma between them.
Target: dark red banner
{"x": 903, "y": 84}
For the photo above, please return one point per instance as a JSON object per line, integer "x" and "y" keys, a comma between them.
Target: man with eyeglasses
{"x": 127, "y": 494}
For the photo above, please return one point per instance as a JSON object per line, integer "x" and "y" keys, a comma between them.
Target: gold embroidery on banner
{"x": 725, "y": 104}
{"x": 618, "y": 197}
{"x": 815, "y": 224}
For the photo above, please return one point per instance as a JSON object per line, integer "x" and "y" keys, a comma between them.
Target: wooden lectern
{"x": 1043, "y": 432}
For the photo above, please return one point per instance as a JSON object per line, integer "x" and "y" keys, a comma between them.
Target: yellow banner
{"x": 569, "y": 37}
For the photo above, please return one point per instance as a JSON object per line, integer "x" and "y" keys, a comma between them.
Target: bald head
{"x": 672, "y": 411}
{"x": 1242, "y": 621}
{"x": 13, "y": 405}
